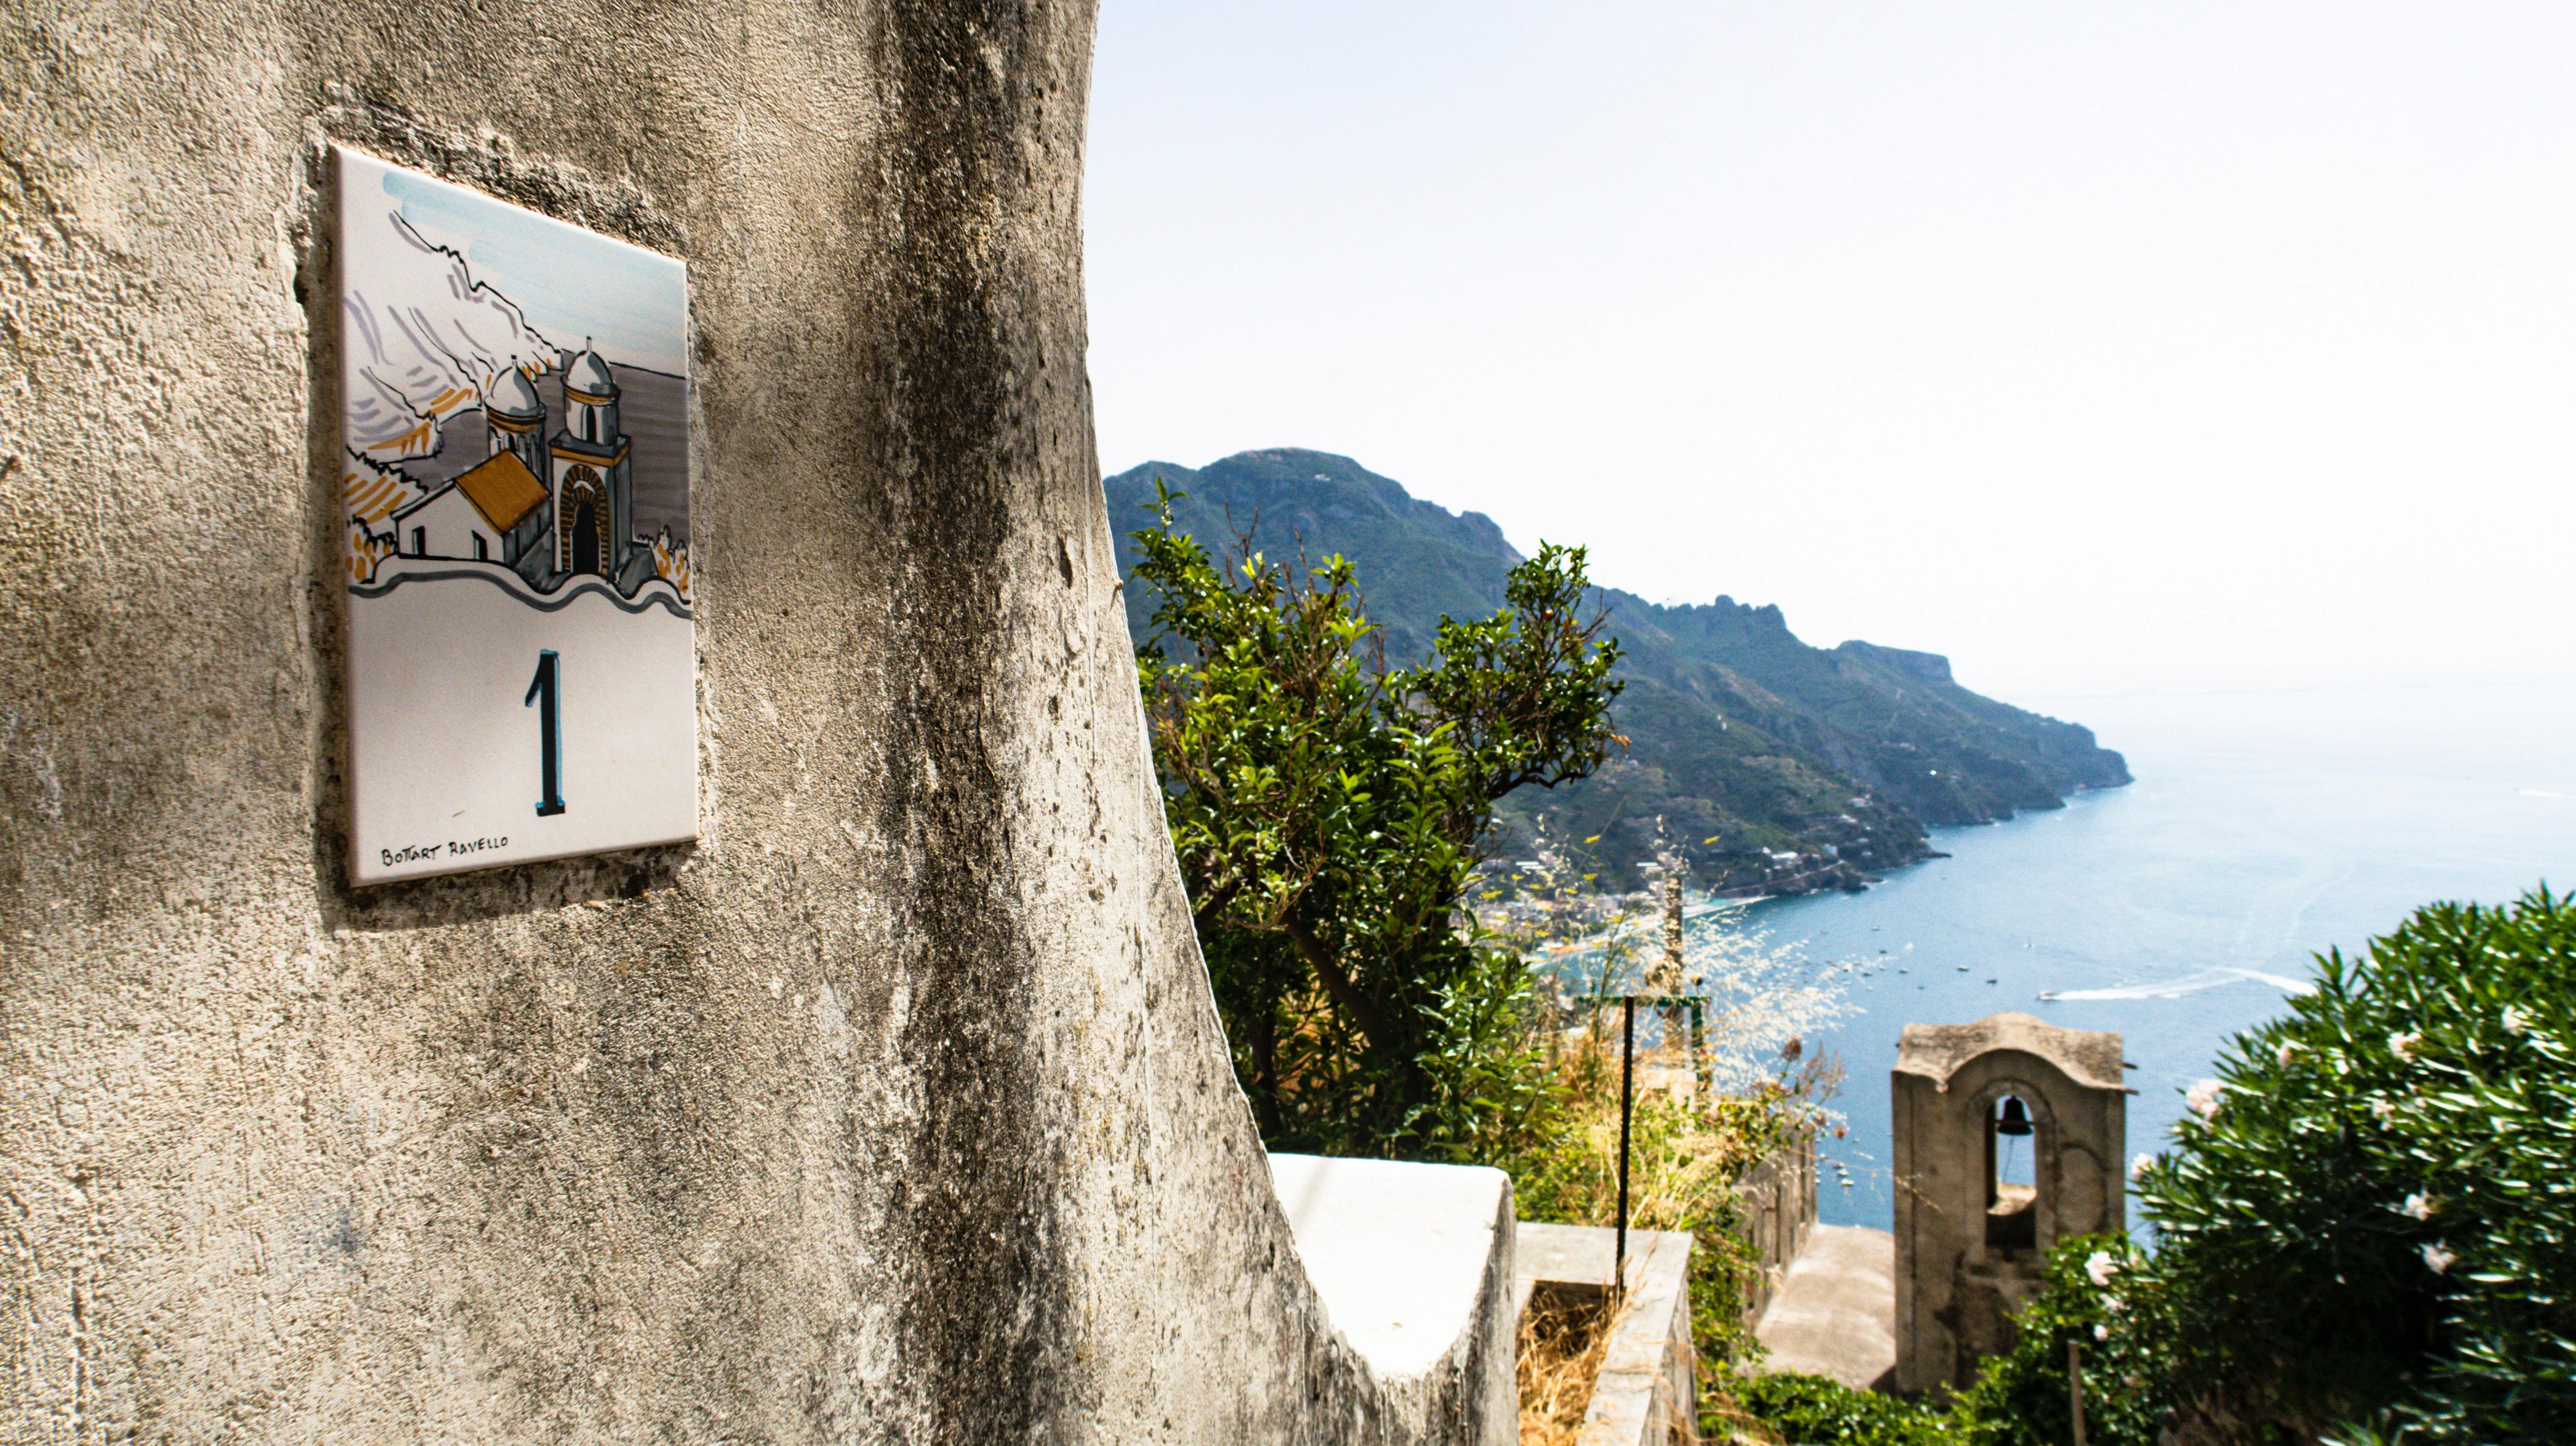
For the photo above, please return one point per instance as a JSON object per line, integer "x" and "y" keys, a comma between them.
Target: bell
{"x": 2016, "y": 1117}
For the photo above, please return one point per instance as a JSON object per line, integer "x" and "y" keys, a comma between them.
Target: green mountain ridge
{"x": 1776, "y": 766}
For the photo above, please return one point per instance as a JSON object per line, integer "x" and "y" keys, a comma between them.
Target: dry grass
{"x": 1562, "y": 1340}
{"x": 1682, "y": 1158}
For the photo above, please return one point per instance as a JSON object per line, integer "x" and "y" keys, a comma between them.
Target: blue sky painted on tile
{"x": 571, "y": 284}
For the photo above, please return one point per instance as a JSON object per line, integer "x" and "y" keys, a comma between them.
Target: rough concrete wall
{"x": 1779, "y": 1203}
{"x": 896, "y": 1110}
{"x": 1415, "y": 1265}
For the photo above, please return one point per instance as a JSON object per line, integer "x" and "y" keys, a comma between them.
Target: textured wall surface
{"x": 896, "y": 1109}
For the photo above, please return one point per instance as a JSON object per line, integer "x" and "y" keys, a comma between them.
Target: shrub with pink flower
{"x": 2297, "y": 1279}
{"x": 2202, "y": 1098}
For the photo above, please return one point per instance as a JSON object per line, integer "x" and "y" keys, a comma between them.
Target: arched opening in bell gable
{"x": 2012, "y": 1175}
{"x": 585, "y": 550}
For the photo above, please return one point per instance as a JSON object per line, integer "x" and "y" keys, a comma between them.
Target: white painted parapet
{"x": 1413, "y": 1264}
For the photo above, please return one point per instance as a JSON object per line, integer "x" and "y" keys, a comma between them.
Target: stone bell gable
{"x": 1971, "y": 1234}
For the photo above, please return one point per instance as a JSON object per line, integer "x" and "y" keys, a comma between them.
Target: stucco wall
{"x": 895, "y": 1110}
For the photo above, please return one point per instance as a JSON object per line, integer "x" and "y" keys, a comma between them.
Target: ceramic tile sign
{"x": 515, "y": 477}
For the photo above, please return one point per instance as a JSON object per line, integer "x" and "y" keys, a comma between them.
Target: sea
{"x": 2262, "y": 829}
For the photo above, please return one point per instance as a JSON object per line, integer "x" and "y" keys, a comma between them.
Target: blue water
{"x": 2263, "y": 827}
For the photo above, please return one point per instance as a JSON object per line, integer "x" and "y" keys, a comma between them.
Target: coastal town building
{"x": 553, "y": 508}
{"x": 593, "y": 484}
{"x": 516, "y": 417}
{"x": 495, "y": 512}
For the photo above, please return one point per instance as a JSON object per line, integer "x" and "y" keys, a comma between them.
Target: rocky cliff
{"x": 1778, "y": 766}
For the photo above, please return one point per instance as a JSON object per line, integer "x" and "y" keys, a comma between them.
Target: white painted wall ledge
{"x": 1413, "y": 1264}
{"x": 1648, "y": 1385}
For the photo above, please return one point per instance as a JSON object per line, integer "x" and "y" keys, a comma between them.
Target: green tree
{"x": 1329, "y": 812}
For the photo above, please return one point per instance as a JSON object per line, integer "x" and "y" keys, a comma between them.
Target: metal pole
{"x": 1671, "y": 983}
{"x": 2075, "y": 1387}
{"x": 1627, "y": 1075}
{"x": 1701, "y": 1065}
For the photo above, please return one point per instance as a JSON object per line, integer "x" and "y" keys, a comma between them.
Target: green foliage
{"x": 1328, "y": 810}
{"x": 2368, "y": 1223}
{"x": 1820, "y": 1411}
{"x": 1492, "y": 1088}
{"x": 2102, "y": 1299}
{"x": 1686, "y": 1156}
{"x": 2382, "y": 1190}
{"x": 1684, "y": 1162}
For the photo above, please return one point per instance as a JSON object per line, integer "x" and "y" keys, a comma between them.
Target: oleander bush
{"x": 2366, "y": 1223}
{"x": 2105, "y": 1301}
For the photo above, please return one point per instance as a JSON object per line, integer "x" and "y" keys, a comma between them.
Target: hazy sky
{"x": 2100, "y": 347}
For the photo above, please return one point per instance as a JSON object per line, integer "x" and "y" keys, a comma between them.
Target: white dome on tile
{"x": 588, "y": 374}
{"x": 512, "y": 395}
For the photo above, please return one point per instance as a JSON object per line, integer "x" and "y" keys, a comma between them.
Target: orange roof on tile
{"x": 503, "y": 490}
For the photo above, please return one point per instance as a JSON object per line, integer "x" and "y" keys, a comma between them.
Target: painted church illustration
{"x": 550, "y": 508}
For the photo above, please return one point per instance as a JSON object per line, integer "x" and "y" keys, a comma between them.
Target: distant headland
{"x": 1779, "y": 768}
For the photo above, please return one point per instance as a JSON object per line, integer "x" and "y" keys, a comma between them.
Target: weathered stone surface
{"x": 1778, "y": 1198}
{"x": 1970, "y": 1254}
{"x": 1938, "y": 1051}
{"x": 896, "y": 1110}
